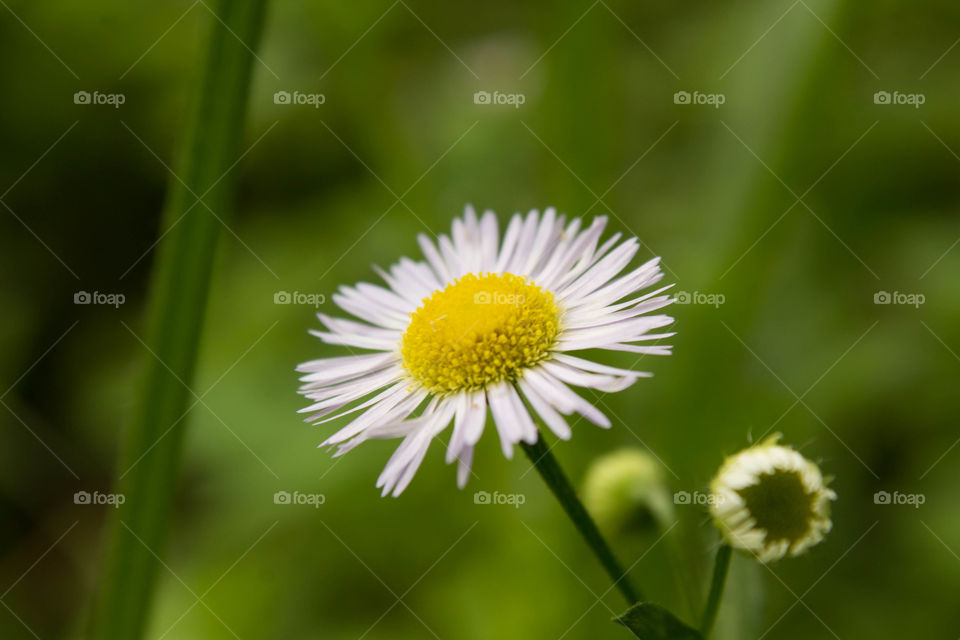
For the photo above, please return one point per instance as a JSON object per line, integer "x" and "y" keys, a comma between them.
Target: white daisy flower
{"x": 770, "y": 501}
{"x": 484, "y": 323}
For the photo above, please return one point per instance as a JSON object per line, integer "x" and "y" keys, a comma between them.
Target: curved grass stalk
{"x": 147, "y": 472}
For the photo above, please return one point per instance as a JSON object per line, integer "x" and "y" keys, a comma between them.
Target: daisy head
{"x": 485, "y": 322}
{"x": 770, "y": 501}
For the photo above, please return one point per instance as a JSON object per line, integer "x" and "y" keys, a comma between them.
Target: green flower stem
{"x": 553, "y": 475}
{"x": 149, "y": 461}
{"x": 720, "y": 566}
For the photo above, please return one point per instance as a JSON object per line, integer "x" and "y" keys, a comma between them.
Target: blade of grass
{"x": 179, "y": 289}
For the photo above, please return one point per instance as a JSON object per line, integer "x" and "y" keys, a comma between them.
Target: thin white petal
{"x": 596, "y": 367}
{"x": 504, "y": 416}
{"x": 563, "y": 398}
{"x": 463, "y": 467}
{"x": 342, "y": 367}
{"x": 509, "y": 243}
{"x": 489, "y": 241}
{"x": 550, "y": 417}
{"x": 570, "y": 375}
{"x": 392, "y": 408}
{"x": 433, "y": 257}
{"x": 409, "y": 461}
{"x": 600, "y": 273}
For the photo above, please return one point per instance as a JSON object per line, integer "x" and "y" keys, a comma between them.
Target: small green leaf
{"x": 653, "y": 622}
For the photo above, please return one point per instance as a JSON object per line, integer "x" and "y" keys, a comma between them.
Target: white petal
{"x": 433, "y": 257}
{"x": 563, "y": 398}
{"x": 509, "y": 243}
{"x": 388, "y": 424}
{"x": 467, "y": 240}
{"x": 590, "y": 316}
{"x": 509, "y": 424}
{"x": 455, "y": 264}
{"x": 596, "y": 367}
{"x": 371, "y": 312}
{"x": 600, "y": 273}
{"x": 459, "y": 418}
{"x": 355, "y": 340}
{"x": 489, "y": 241}
{"x": 605, "y": 291}
{"x": 546, "y": 236}
{"x": 463, "y": 467}
{"x": 388, "y": 299}
{"x": 334, "y": 369}
{"x": 348, "y": 391}
{"x": 550, "y": 417}
{"x": 476, "y": 417}
{"x": 528, "y": 234}
{"x": 392, "y": 408}
{"x": 405, "y": 461}
{"x": 578, "y": 378}
{"x": 568, "y": 249}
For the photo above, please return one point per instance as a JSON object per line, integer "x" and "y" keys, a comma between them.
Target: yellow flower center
{"x": 479, "y": 330}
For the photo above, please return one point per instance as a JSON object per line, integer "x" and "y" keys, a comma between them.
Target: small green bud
{"x": 626, "y": 493}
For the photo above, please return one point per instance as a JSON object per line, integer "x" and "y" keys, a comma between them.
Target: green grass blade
{"x": 179, "y": 290}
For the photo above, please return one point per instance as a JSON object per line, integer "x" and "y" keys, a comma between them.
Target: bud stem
{"x": 720, "y": 566}
{"x": 549, "y": 469}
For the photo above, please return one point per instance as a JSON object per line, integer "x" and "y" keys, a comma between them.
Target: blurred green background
{"x": 798, "y": 201}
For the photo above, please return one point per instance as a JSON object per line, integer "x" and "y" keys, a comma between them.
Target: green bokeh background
{"x": 797, "y": 200}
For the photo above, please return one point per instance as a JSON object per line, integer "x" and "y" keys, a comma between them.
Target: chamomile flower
{"x": 485, "y": 323}
{"x": 770, "y": 501}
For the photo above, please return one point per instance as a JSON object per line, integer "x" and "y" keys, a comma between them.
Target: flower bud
{"x": 625, "y": 491}
{"x": 770, "y": 501}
